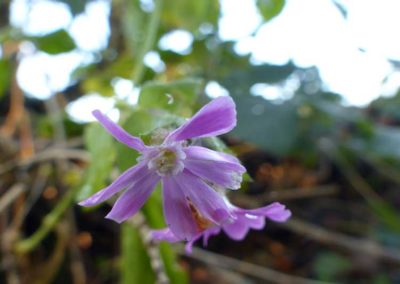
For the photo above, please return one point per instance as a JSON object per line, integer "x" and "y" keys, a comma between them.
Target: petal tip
{"x": 111, "y": 216}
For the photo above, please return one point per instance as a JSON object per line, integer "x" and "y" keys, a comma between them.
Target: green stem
{"x": 48, "y": 223}
{"x": 148, "y": 43}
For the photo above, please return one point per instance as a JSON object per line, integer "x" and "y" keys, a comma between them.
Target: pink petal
{"x": 215, "y": 167}
{"x": 215, "y": 118}
{"x": 212, "y": 231}
{"x": 129, "y": 177}
{"x": 236, "y": 230}
{"x": 244, "y": 222}
{"x": 164, "y": 235}
{"x": 177, "y": 213}
{"x": 206, "y": 200}
{"x": 276, "y": 212}
{"x": 118, "y": 133}
{"x": 202, "y": 153}
{"x": 133, "y": 198}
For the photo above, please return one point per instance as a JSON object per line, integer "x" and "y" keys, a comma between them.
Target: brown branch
{"x": 285, "y": 194}
{"x": 257, "y": 271}
{"x": 77, "y": 266}
{"x": 16, "y": 111}
{"x": 11, "y": 195}
{"x": 46, "y": 155}
{"x": 361, "y": 246}
{"x": 26, "y": 137}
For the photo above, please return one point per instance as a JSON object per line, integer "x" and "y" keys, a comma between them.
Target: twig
{"x": 77, "y": 267}
{"x": 48, "y": 223}
{"x": 361, "y": 246}
{"x": 287, "y": 194}
{"x": 9, "y": 260}
{"x": 16, "y": 111}
{"x": 257, "y": 271}
{"x": 139, "y": 222}
{"x": 47, "y": 155}
{"x": 37, "y": 186}
{"x": 384, "y": 210}
{"x": 26, "y": 137}
{"x": 48, "y": 270}
{"x": 11, "y": 195}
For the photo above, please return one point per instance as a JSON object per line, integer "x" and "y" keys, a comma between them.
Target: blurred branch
{"x": 356, "y": 245}
{"x": 16, "y": 111}
{"x": 11, "y": 195}
{"x": 53, "y": 153}
{"x": 149, "y": 41}
{"x": 381, "y": 167}
{"x": 48, "y": 223}
{"x": 48, "y": 270}
{"x": 387, "y": 214}
{"x": 247, "y": 268}
{"x": 285, "y": 194}
{"x": 77, "y": 266}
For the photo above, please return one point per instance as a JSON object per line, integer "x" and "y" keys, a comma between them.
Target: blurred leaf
{"x": 98, "y": 84}
{"x": 132, "y": 24}
{"x": 240, "y": 81}
{"x": 382, "y": 279}
{"x": 276, "y": 126}
{"x": 385, "y": 142}
{"x": 342, "y": 9}
{"x": 76, "y": 6}
{"x": 99, "y": 143}
{"x": 328, "y": 266}
{"x": 57, "y": 42}
{"x": 5, "y": 76}
{"x": 135, "y": 262}
{"x": 177, "y": 97}
{"x": 189, "y": 15}
{"x": 270, "y": 8}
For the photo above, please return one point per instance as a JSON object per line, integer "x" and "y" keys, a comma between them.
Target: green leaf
{"x": 177, "y": 97}
{"x": 276, "y": 127}
{"x": 100, "y": 146}
{"x": 189, "y": 15}
{"x": 57, "y": 42}
{"x": 328, "y": 266}
{"x": 5, "y": 76}
{"x": 133, "y": 24}
{"x": 266, "y": 73}
{"x": 76, "y": 6}
{"x": 270, "y": 8}
{"x": 135, "y": 262}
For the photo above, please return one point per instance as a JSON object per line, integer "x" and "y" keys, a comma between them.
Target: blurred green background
{"x": 316, "y": 84}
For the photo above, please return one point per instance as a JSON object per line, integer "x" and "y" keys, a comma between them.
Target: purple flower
{"x": 187, "y": 173}
{"x": 244, "y": 220}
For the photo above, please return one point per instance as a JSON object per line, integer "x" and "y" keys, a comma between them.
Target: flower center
{"x": 168, "y": 161}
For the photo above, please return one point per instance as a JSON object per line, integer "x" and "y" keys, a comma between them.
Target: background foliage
{"x": 335, "y": 166}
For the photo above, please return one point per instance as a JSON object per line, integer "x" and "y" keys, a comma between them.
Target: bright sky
{"x": 309, "y": 32}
